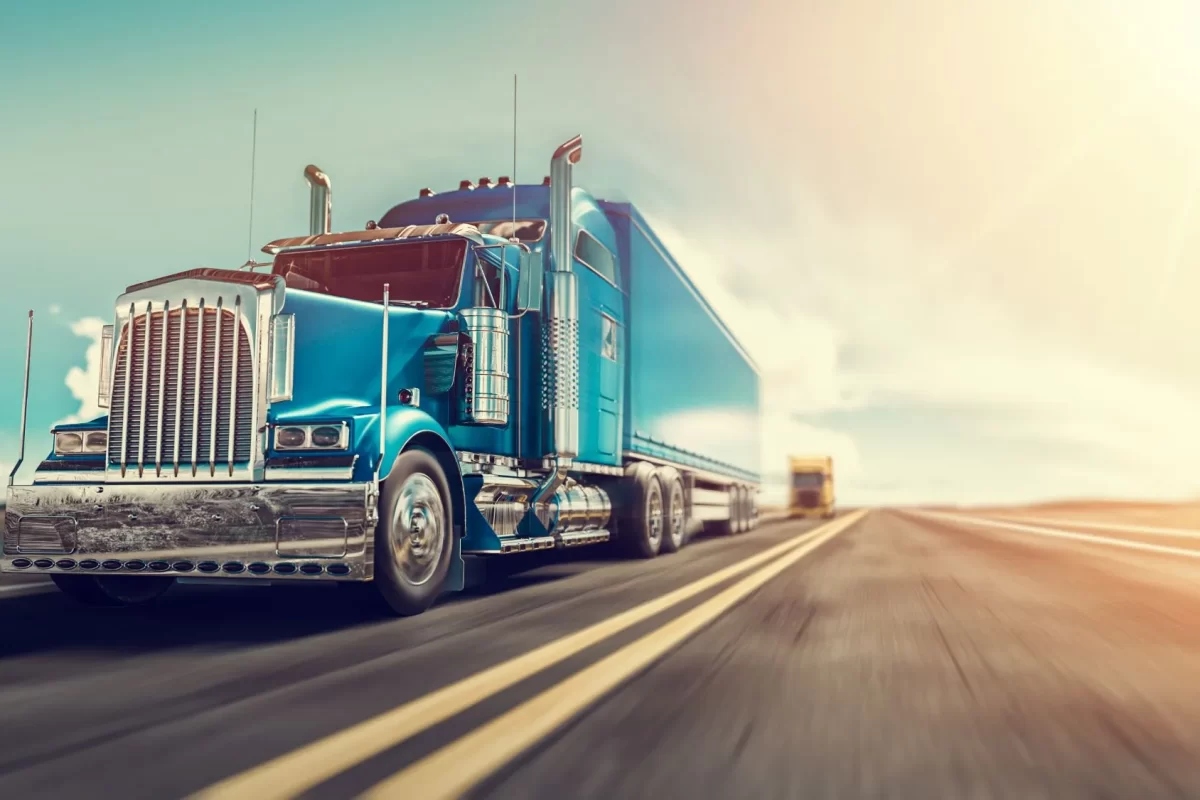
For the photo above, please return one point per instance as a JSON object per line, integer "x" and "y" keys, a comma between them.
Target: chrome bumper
{"x": 292, "y": 531}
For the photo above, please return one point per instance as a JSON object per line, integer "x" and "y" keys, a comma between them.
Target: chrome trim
{"x": 574, "y": 508}
{"x": 560, "y": 365}
{"x": 233, "y": 389}
{"x": 469, "y": 457}
{"x": 485, "y": 398}
{"x": 69, "y": 476}
{"x": 184, "y": 299}
{"x": 560, "y": 330}
{"x": 162, "y": 385}
{"x": 468, "y": 232}
{"x": 579, "y": 538}
{"x": 503, "y": 501}
{"x": 320, "y": 204}
{"x": 383, "y": 384}
{"x": 183, "y": 308}
{"x": 196, "y": 394}
{"x": 343, "y": 541}
{"x": 104, "y": 392}
{"x": 24, "y": 400}
{"x": 142, "y": 413}
{"x": 216, "y": 388}
{"x": 280, "y": 389}
{"x": 222, "y": 523}
{"x": 309, "y": 473}
{"x": 128, "y": 382}
{"x": 308, "y": 428}
{"x": 518, "y": 545}
{"x": 588, "y": 467}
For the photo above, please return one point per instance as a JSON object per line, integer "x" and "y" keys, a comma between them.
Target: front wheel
{"x": 413, "y": 541}
{"x": 112, "y": 590}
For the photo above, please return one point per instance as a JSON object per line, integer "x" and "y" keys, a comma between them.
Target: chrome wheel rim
{"x": 677, "y": 514}
{"x": 417, "y": 532}
{"x": 654, "y": 519}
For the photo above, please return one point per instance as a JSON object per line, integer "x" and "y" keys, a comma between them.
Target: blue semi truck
{"x": 548, "y": 375}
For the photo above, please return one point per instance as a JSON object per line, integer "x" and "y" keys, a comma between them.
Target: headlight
{"x": 334, "y": 436}
{"x": 73, "y": 443}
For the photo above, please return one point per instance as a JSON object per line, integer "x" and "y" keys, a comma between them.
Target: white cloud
{"x": 797, "y": 356}
{"x": 854, "y": 318}
{"x": 55, "y": 309}
{"x": 85, "y": 383}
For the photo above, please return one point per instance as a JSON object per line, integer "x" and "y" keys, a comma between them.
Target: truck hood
{"x": 337, "y": 366}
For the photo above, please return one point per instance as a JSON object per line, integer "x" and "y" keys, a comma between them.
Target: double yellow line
{"x": 459, "y": 766}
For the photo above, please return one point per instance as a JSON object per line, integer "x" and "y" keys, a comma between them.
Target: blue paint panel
{"x": 693, "y": 392}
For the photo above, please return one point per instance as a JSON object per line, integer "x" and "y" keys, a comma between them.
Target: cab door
{"x": 601, "y": 351}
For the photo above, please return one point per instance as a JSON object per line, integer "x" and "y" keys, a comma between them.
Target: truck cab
{"x": 810, "y": 489}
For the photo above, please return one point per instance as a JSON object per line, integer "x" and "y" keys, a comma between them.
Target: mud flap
{"x": 456, "y": 577}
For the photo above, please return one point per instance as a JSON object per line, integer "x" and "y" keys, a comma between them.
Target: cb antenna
{"x": 514, "y": 218}
{"x": 253, "y": 159}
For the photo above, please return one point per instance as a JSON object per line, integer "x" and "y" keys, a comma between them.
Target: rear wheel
{"x": 675, "y": 513}
{"x": 112, "y": 590}
{"x": 413, "y": 543}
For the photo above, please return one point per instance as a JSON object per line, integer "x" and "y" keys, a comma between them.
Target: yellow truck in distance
{"x": 811, "y": 489}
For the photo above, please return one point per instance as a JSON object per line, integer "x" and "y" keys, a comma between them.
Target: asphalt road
{"x": 1002, "y": 653}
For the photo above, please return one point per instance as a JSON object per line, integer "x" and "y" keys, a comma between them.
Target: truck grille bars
{"x": 183, "y": 391}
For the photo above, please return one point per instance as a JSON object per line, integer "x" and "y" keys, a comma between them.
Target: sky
{"x": 959, "y": 238}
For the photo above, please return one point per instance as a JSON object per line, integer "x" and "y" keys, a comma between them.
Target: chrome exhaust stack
{"x": 320, "y": 204}
{"x": 560, "y": 331}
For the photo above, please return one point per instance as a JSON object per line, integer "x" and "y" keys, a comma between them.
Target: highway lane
{"x": 913, "y": 658}
{"x": 165, "y": 700}
{"x": 910, "y": 655}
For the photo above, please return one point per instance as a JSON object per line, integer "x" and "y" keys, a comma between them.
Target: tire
{"x": 414, "y": 538}
{"x": 674, "y": 512}
{"x": 643, "y": 522}
{"x": 112, "y": 590}
{"x": 738, "y": 510}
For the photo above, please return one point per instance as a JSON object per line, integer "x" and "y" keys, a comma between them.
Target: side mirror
{"x": 529, "y": 282}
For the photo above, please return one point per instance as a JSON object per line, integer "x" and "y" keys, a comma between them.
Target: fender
{"x": 409, "y": 427}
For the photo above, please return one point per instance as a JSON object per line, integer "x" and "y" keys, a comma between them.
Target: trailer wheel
{"x": 112, "y": 590}
{"x": 737, "y": 509}
{"x": 413, "y": 540}
{"x": 674, "y": 512}
{"x": 644, "y": 519}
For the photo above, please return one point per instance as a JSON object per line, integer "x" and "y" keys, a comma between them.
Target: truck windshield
{"x": 808, "y": 480}
{"x": 424, "y": 273}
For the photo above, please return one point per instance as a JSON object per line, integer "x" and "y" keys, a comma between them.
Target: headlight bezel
{"x": 306, "y": 445}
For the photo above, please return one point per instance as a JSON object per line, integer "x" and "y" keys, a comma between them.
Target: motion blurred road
{"x": 1047, "y": 652}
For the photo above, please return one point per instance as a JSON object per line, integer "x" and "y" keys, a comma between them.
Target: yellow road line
{"x": 305, "y": 767}
{"x": 463, "y": 764}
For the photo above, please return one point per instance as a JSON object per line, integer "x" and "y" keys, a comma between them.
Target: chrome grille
{"x": 183, "y": 392}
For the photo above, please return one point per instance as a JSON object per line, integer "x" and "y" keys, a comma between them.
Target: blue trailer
{"x": 546, "y": 373}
